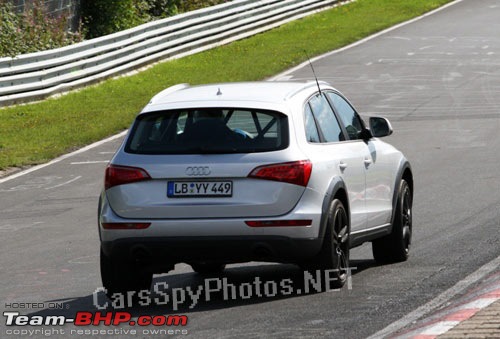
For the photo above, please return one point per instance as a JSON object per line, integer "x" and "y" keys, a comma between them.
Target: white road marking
{"x": 362, "y": 41}
{"x": 451, "y": 320}
{"x": 10, "y": 227}
{"x": 90, "y": 162}
{"x": 90, "y": 259}
{"x": 440, "y": 328}
{"x": 479, "y": 303}
{"x": 440, "y": 300}
{"x": 63, "y": 157}
{"x": 284, "y": 78}
{"x": 64, "y": 183}
{"x": 36, "y": 183}
{"x": 401, "y": 38}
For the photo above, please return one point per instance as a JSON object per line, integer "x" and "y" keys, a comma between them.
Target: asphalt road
{"x": 436, "y": 79}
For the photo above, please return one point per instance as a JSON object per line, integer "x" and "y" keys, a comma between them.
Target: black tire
{"x": 395, "y": 247}
{"x": 117, "y": 277}
{"x": 334, "y": 254}
{"x": 208, "y": 268}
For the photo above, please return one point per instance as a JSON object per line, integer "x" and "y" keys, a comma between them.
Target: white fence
{"x": 39, "y": 75}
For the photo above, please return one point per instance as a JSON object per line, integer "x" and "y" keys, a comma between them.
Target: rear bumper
{"x": 192, "y": 228}
{"x": 156, "y": 254}
{"x": 226, "y": 240}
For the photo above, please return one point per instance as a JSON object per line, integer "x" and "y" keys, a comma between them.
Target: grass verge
{"x": 35, "y": 133}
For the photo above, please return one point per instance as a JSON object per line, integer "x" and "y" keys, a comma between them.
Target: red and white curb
{"x": 453, "y": 317}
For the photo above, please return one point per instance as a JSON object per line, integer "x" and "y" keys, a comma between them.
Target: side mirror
{"x": 365, "y": 134}
{"x": 380, "y": 127}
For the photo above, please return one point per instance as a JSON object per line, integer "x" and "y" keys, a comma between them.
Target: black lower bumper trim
{"x": 228, "y": 249}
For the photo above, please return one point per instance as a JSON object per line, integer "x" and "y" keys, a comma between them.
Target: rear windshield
{"x": 208, "y": 130}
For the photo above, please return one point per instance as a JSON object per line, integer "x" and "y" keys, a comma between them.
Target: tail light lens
{"x": 296, "y": 172}
{"x": 119, "y": 175}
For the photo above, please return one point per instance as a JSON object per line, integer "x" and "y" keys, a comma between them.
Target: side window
{"x": 327, "y": 122}
{"x": 311, "y": 130}
{"x": 347, "y": 114}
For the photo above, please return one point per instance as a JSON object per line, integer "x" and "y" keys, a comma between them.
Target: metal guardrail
{"x": 36, "y": 76}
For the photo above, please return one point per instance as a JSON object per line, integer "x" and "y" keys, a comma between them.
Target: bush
{"x": 9, "y": 30}
{"x": 102, "y": 17}
{"x": 158, "y": 9}
{"x": 35, "y": 30}
{"x": 190, "y": 5}
{"x": 32, "y": 31}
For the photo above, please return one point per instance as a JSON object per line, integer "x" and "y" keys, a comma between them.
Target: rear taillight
{"x": 125, "y": 225}
{"x": 279, "y": 223}
{"x": 296, "y": 172}
{"x": 119, "y": 175}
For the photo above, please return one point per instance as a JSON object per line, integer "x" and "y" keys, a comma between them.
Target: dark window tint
{"x": 208, "y": 130}
{"x": 327, "y": 122}
{"x": 311, "y": 129}
{"x": 348, "y": 115}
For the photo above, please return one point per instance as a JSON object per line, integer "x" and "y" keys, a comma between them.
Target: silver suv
{"x": 259, "y": 171}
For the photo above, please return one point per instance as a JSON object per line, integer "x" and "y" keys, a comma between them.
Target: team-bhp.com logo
{"x": 83, "y": 318}
{"x": 93, "y": 319}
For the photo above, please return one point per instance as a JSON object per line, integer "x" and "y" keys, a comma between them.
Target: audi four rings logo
{"x": 198, "y": 171}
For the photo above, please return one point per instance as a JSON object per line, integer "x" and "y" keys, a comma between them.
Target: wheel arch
{"x": 404, "y": 172}
{"x": 336, "y": 190}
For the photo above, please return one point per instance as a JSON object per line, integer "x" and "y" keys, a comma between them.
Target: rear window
{"x": 208, "y": 130}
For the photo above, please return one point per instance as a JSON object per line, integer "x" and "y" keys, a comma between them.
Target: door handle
{"x": 342, "y": 166}
{"x": 367, "y": 162}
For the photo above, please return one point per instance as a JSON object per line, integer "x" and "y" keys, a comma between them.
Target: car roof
{"x": 223, "y": 94}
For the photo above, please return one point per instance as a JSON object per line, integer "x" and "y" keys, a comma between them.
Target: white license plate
{"x": 177, "y": 189}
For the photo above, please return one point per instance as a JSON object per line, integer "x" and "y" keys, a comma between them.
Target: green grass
{"x": 35, "y": 133}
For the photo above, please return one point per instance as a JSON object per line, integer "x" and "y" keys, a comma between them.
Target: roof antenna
{"x": 315, "y": 77}
{"x": 219, "y": 92}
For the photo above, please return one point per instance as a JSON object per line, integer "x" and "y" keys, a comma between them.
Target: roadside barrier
{"x": 36, "y": 76}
